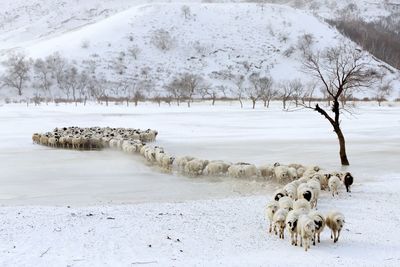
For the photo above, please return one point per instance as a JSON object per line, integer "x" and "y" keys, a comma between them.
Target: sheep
{"x": 279, "y": 194}
{"x": 302, "y": 206}
{"x": 315, "y": 185}
{"x": 195, "y": 167}
{"x": 291, "y": 224}
{"x": 44, "y": 139}
{"x": 304, "y": 191}
{"x": 52, "y": 141}
{"x": 182, "y": 161}
{"x": 300, "y": 171}
{"x": 281, "y": 173}
{"x": 77, "y": 142}
{"x": 292, "y": 173}
{"x": 36, "y": 138}
{"x": 279, "y": 220}
{"x": 335, "y": 221}
{"x": 266, "y": 171}
{"x": 295, "y": 165}
{"x": 166, "y": 162}
{"x": 242, "y": 170}
{"x": 334, "y": 184}
{"x": 319, "y": 222}
{"x": 348, "y": 181}
{"x": 217, "y": 167}
{"x": 291, "y": 190}
{"x": 286, "y": 203}
{"x": 306, "y": 230}
{"x": 271, "y": 208}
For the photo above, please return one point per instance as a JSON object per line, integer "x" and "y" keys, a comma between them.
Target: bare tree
{"x": 238, "y": 81}
{"x": 383, "y": 91}
{"x": 162, "y": 39}
{"x": 253, "y": 92}
{"x": 267, "y": 93}
{"x": 186, "y": 11}
{"x": 190, "y": 84}
{"x": 298, "y": 90}
{"x": 43, "y": 75}
{"x": 17, "y": 72}
{"x": 339, "y": 70}
{"x": 286, "y": 92}
{"x": 212, "y": 92}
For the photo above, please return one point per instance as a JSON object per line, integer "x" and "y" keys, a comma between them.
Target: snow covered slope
{"x": 241, "y": 37}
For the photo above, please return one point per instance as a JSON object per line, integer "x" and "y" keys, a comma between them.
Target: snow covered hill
{"x": 122, "y": 37}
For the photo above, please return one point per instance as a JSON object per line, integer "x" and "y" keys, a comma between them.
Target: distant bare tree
{"x": 134, "y": 51}
{"x": 43, "y": 75}
{"x": 254, "y": 92}
{"x": 212, "y": 92}
{"x": 238, "y": 81}
{"x": 298, "y": 90}
{"x": 339, "y": 70}
{"x": 286, "y": 92}
{"x": 267, "y": 93}
{"x": 17, "y": 72}
{"x": 162, "y": 39}
{"x": 190, "y": 84}
{"x": 383, "y": 91}
{"x": 186, "y": 11}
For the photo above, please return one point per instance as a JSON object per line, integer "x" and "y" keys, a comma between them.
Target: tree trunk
{"x": 254, "y": 104}
{"x": 241, "y": 103}
{"x": 284, "y": 103}
{"x": 342, "y": 145}
{"x": 213, "y": 101}
{"x": 188, "y": 103}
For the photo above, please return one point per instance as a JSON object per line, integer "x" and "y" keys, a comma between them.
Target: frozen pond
{"x": 32, "y": 174}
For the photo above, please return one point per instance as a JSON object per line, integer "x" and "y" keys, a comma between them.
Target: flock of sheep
{"x": 293, "y": 206}
{"x": 94, "y": 137}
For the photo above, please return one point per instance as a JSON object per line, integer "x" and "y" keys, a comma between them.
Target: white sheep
{"x": 286, "y": 203}
{"x": 335, "y": 221}
{"x": 292, "y": 173}
{"x": 266, "y": 171}
{"x": 166, "y": 162}
{"x": 302, "y": 205}
{"x": 281, "y": 173}
{"x": 270, "y": 210}
{"x": 291, "y": 190}
{"x": 279, "y": 220}
{"x": 334, "y": 183}
{"x": 243, "y": 170}
{"x": 319, "y": 222}
{"x": 315, "y": 185}
{"x": 195, "y": 167}
{"x": 181, "y": 162}
{"x": 216, "y": 168}
{"x": 306, "y": 231}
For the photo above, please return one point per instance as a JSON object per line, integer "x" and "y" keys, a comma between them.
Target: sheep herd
{"x": 95, "y": 138}
{"x": 293, "y": 207}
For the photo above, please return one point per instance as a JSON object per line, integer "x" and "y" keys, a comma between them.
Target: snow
{"x": 118, "y": 206}
{"x": 216, "y": 36}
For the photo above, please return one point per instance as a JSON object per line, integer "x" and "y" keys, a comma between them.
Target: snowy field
{"x": 97, "y": 208}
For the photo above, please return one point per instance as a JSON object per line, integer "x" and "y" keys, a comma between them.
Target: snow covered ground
{"x": 98, "y": 208}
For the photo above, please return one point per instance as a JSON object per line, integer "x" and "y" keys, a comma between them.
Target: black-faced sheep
{"x": 319, "y": 222}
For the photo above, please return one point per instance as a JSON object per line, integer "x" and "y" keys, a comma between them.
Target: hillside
{"x": 209, "y": 38}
